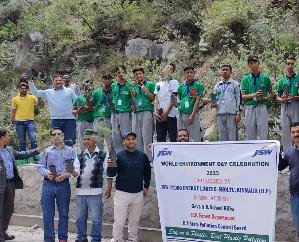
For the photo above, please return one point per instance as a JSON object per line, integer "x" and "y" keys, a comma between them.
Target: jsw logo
{"x": 263, "y": 151}
{"x": 164, "y": 152}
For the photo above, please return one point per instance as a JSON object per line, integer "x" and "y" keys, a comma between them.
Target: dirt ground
{"x": 25, "y": 234}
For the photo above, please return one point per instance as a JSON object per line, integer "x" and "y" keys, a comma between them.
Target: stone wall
{"x": 27, "y": 201}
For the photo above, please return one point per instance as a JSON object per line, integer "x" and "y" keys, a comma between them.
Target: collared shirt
{"x": 228, "y": 96}
{"x": 60, "y": 100}
{"x": 251, "y": 84}
{"x": 8, "y": 163}
{"x": 24, "y": 107}
{"x": 102, "y": 102}
{"x": 55, "y": 156}
{"x": 163, "y": 92}
{"x": 88, "y": 171}
{"x": 187, "y": 94}
{"x": 81, "y": 101}
{"x": 142, "y": 98}
{"x": 121, "y": 94}
{"x": 288, "y": 85}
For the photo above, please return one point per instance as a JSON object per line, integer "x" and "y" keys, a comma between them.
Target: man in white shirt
{"x": 89, "y": 167}
{"x": 166, "y": 107}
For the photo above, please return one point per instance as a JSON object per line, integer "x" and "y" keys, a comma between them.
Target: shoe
{"x": 8, "y": 237}
{"x": 84, "y": 240}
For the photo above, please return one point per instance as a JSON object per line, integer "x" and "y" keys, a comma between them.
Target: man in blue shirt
{"x": 290, "y": 158}
{"x": 60, "y": 101}
{"x": 53, "y": 166}
{"x": 9, "y": 180}
{"x": 133, "y": 175}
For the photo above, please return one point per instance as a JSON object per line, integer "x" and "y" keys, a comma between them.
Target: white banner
{"x": 224, "y": 191}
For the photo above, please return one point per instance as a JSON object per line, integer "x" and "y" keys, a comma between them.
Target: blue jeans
{"x": 68, "y": 127}
{"x": 61, "y": 192}
{"x": 294, "y": 200}
{"x": 23, "y": 127}
{"x": 93, "y": 203}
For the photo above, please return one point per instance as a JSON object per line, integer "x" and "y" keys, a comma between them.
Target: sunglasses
{"x": 54, "y": 134}
{"x": 290, "y": 63}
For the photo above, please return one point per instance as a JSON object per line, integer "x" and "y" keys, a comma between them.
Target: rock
{"x": 149, "y": 49}
{"x": 143, "y": 47}
{"x": 31, "y": 51}
{"x": 168, "y": 51}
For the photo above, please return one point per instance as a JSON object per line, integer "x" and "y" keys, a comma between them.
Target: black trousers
{"x": 169, "y": 126}
{"x": 6, "y": 205}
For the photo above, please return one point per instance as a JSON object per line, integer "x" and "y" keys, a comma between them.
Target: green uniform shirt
{"x": 250, "y": 86}
{"x": 288, "y": 86}
{"x": 122, "y": 96}
{"x": 81, "y": 101}
{"x": 102, "y": 103}
{"x": 143, "y": 100}
{"x": 188, "y": 94}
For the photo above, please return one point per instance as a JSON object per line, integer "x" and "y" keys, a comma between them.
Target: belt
{"x": 49, "y": 180}
{"x": 10, "y": 180}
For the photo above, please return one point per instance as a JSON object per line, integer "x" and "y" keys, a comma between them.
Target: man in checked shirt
{"x": 56, "y": 186}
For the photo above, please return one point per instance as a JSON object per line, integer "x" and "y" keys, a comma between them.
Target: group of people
{"x": 123, "y": 115}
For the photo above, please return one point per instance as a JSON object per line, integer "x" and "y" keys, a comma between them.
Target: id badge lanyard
{"x": 223, "y": 88}
{"x": 120, "y": 87}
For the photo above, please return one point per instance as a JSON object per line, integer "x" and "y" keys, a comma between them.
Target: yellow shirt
{"x": 24, "y": 107}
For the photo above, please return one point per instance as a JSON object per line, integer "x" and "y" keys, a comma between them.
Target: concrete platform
{"x": 29, "y": 221}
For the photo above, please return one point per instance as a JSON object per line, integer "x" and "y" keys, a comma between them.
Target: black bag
{"x": 18, "y": 182}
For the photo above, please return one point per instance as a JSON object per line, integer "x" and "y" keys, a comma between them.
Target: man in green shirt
{"x": 103, "y": 107}
{"x": 83, "y": 110}
{"x": 256, "y": 89}
{"x": 142, "y": 117}
{"x": 287, "y": 95}
{"x": 121, "y": 117}
{"x": 189, "y": 94}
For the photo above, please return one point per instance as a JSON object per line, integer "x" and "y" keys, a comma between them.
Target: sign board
{"x": 224, "y": 191}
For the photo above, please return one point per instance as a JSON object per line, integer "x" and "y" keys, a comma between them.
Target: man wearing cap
{"x": 103, "y": 107}
{"x": 287, "y": 95}
{"x": 60, "y": 101}
{"x": 83, "y": 110}
{"x": 256, "y": 89}
{"x": 228, "y": 95}
{"x": 121, "y": 117}
{"x": 190, "y": 93}
{"x": 142, "y": 117}
{"x": 56, "y": 186}
{"x": 22, "y": 114}
{"x": 133, "y": 174}
{"x": 90, "y": 167}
